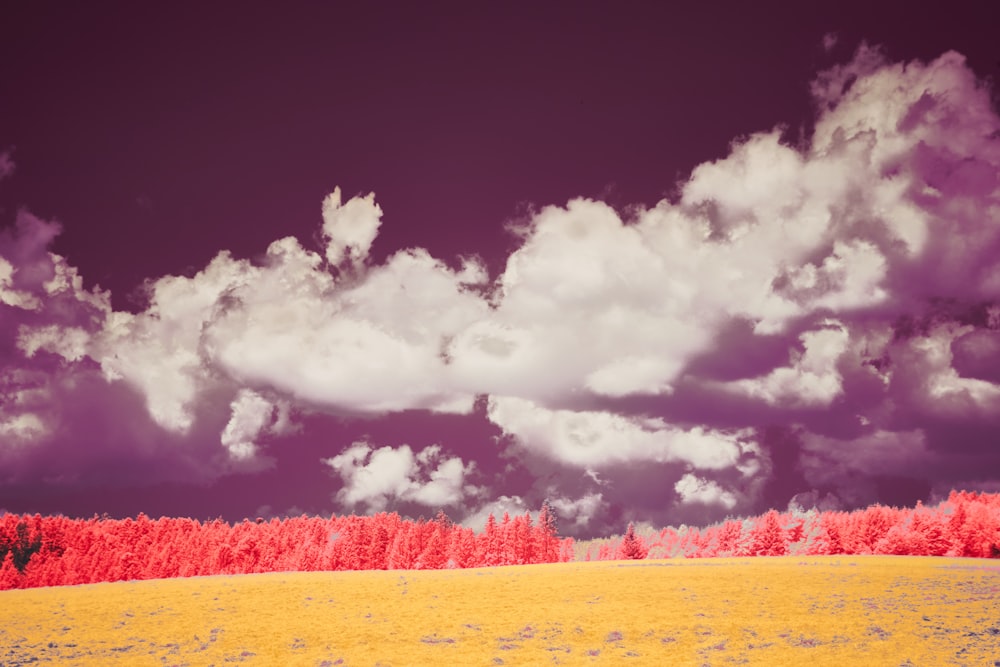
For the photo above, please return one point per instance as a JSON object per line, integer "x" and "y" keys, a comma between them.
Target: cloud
{"x": 976, "y": 354}
{"x": 580, "y": 511}
{"x": 350, "y": 228}
{"x": 853, "y": 468}
{"x": 811, "y": 379}
{"x": 878, "y": 452}
{"x": 31, "y": 278}
{"x": 590, "y": 439}
{"x": 157, "y": 353}
{"x": 583, "y": 269}
{"x": 374, "y": 479}
{"x": 375, "y": 345}
{"x": 830, "y": 40}
{"x": 694, "y": 489}
{"x": 251, "y": 415}
{"x": 845, "y": 288}
{"x": 75, "y": 374}
{"x": 24, "y": 427}
{"x": 6, "y": 164}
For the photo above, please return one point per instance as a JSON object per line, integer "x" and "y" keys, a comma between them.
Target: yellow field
{"x": 875, "y": 610}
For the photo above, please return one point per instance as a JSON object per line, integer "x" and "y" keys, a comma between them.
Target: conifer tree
{"x": 492, "y": 551}
{"x": 545, "y": 533}
{"x": 378, "y": 550}
{"x": 403, "y": 552}
{"x": 632, "y": 546}
{"x": 462, "y": 548}
{"x": 9, "y": 576}
{"x": 768, "y": 537}
{"x": 727, "y": 538}
{"x": 434, "y": 555}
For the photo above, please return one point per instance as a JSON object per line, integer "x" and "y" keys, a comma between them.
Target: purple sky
{"x": 651, "y": 264}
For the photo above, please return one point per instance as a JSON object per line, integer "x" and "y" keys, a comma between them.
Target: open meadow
{"x": 835, "y": 610}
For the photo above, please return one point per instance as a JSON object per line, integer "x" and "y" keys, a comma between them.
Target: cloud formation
{"x": 351, "y": 228}
{"x": 846, "y": 290}
{"x": 590, "y": 439}
{"x": 373, "y": 478}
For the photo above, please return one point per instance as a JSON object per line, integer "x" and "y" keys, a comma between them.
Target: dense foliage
{"x": 53, "y": 551}
{"x": 965, "y": 525}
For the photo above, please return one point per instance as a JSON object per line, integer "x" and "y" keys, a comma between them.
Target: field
{"x": 835, "y": 610}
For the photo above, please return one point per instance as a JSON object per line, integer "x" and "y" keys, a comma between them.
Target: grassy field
{"x": 875, "y": 610}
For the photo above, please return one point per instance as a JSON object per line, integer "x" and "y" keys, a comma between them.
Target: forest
{"x": 40, "y": 551}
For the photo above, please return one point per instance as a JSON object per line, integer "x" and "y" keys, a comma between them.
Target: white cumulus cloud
{"x": 694, "y": 489}
{"x": 375, "y": 478}
{"x": 593, "y": 439}
{"x": 351, "y": 228}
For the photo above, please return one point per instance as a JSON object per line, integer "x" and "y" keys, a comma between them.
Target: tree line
{"x": 55, "y": 550}
{"x": 967, "y": 524}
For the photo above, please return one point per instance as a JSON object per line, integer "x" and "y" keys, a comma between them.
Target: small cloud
{"x": 251, "y": 415}
{"x": 378, "y": 478}
{"x": 595, "y": 439}
{"x": 580, "y": 511}
{"x": 694, "y": 489}
{"x": 6, "y": 164}
{"x": 350, "y": 228}
{"x": 830, "y": 40}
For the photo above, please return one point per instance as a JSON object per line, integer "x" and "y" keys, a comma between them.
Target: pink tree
{"x": 974, "y": 527}
{"x": 434, "y": 555}
{"x": 9, "y": 576}
{"x": 546, "y": 543}
{"x": 767, "y": 537}
{"x": 491, "y": 543}
{"x": 462, "y": 548}
{"x": 869, "y": 526}
{"x": 633, "y": 547}
{"x": 727, "y": 538}
{"x": 403, "y": 551}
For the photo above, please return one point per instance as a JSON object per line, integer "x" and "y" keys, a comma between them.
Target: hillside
{"x": 873, "y": 610}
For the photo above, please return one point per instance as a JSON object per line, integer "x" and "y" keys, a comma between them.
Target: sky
{"x": 652, "y": 264}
